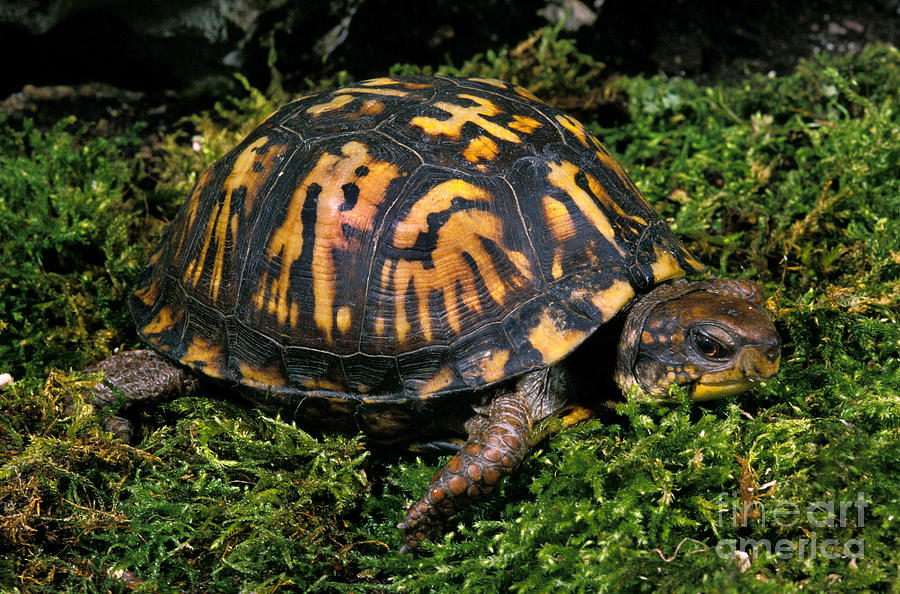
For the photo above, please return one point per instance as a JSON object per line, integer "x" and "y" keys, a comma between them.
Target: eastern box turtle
{"x": 411, "y": 257}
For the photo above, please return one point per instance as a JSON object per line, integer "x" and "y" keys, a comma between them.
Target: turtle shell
{"x": 401, "y": 238}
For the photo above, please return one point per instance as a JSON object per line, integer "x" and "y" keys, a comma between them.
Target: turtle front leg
{"x": 138, "y": 376}
{"x": 496, "y": 446}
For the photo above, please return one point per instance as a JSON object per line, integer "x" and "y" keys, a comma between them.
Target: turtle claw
{"x": 423, "y": 522}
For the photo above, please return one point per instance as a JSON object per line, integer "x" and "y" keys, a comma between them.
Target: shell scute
{"x": 398, "y": 239}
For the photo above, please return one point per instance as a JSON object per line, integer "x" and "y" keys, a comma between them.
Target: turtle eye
{"x": 709, "y": 346}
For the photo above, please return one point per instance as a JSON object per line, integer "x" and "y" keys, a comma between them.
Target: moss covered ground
{"x": 793, "y": 181}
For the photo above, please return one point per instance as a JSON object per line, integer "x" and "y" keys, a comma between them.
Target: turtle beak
{"x": 753, "y": 365}
{"x": 711, "y": 391}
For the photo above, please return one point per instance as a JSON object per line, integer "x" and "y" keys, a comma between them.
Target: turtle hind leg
{"x": 138, "y": 376}
{"x": 494, "y": 450}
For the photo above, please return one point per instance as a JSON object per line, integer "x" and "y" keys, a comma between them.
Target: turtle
{"x": 416, "y": 258}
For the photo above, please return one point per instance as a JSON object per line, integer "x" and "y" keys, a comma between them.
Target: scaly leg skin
{"x": 138, "y": 376}
{"x": 489, "y": 454}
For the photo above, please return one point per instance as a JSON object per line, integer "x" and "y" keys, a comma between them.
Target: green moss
{"x": 544, "y": 63}
{"x": 67, "y": 258}
{"x": 790, "y": 180}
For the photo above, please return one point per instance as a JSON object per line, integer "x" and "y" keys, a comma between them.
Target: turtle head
{"x": 712, "y": 338}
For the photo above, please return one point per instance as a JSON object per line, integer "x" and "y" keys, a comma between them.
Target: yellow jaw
{"x": 751, "y": 367}
{"x": 711, "y": 391}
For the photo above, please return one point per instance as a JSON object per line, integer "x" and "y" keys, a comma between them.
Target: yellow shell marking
{"x": 524, "y": 124}
{"x": 148, "y": 294}
{"x": 186, "y": 224}
{"x": 481, "y": 147}
{"x": 459, "y": 116}
{"x": 379, "y": 326}
{"x": 382, "y": 80}
{"x": 201, "y": 350}
{"x": 552, "y": 342}
{"x": 556, "y": 270}
{"x": 611, "y": 300}
{"x": 438, "y": 382}
{"x": 261, "y": 376}
{"x": 437, "y": 199}
{"x": 575, "y": 127}
{"x": 386, "y": 271}
{"x": 375, "y": 90}
{"x": 590, "y": 141}
{"x": 322, "y": 384}
{"x": 337, "y": 102}
{"x": 558, "y": 219}
{"x": 343, "y": 319}
{"x": 563, "y": 177}
{"x": 164, "y": 320}
{"x": 250, "y": 171}
{"x": 490, "y": 81}
{"x": 330, "y": 173}
{"x": 610, "y": 163}
{"x": 526, "y": 93}
{"x": 371, "y": 107}
{"x": 330, "y": 220}
{"x": 346, "y": 95}
{"x": 461, "y": 233}
{"x": 492, "y": 366}
{"x": 665, "y": 266}
{"x": 386, "y": 80}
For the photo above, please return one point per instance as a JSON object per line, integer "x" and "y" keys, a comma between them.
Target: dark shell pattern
{"x": 398, "y": 239}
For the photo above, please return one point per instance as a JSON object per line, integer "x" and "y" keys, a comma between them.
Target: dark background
{"x": 191, "y": 47}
